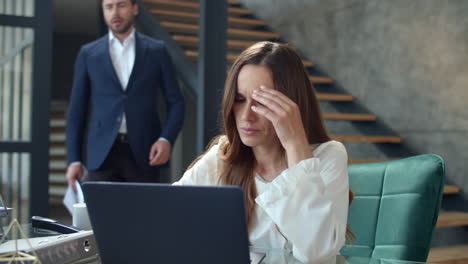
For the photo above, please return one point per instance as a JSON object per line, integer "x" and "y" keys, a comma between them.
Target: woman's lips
{"x": 248, "y": 131}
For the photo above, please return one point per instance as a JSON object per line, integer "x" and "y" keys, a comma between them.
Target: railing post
{"x": 42, "y": 76}
{"x": 211, "y": 69}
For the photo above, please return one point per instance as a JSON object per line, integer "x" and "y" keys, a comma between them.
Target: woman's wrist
{"x": 297, "y": 153}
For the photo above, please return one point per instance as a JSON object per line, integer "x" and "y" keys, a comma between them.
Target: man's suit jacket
{"x": 98, "y": 101}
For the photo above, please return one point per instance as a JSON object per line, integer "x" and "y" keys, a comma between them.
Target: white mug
{"x": 80, "y": 216}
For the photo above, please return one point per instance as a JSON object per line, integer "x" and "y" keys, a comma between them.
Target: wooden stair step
{"x": 57, "y": 130}
{"x": 57, "y": 164}
{"x": 193, "y": 6}
{"x": 57, "y": 138}
{"x": 370, "y": 139}
{"x": 57, "y": 171}
{"x": 349, "y": 117}
{"x": 239, "y": 11}
{"x": 193, "y": 55}
{"x": 334, "y": 97}
{"x": 192, "y": 41}
{"x": 449, "y": 255}
{"x": 175, "y": 27}
{"x": 174, "y": 4}
{"x": 58, "y": 150}
{"x": 58, "y": 157}
{"x": 321, "y": 80}
{"x": 193, "y": 18}
{"x": 57, "y": 144}
{"x": 58, "y": 123}
{"x": 57, "y": 190}
{"x": 57, "y": 179}
{"x": 57, "y": 115}
{"x": 451, "y": 189}
{"x": 231, "y": 2}
{"x": 245, "y": 22}
{"x": 450, "y": 219}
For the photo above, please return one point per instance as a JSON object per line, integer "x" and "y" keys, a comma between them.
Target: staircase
{"x": 57, "y": 153}
{"x": 347, "y": 121}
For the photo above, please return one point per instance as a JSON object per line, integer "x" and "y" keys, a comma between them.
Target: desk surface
{"x": 73, "y": 247}
{"x": 274, "y": 256}
{"x": 273, "y": 259}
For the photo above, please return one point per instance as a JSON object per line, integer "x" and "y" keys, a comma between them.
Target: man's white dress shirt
{"x": 123, "y": 58}
{"x": 303, "y": 210}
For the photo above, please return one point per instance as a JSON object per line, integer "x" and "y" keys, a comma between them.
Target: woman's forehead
{"x": 252, "y": 76}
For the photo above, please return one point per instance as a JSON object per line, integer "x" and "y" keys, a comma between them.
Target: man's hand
{"x": 160, "y": 153}
{"x": 74, "y": 172}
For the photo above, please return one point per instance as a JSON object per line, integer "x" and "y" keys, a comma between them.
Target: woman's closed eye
{"x": 239, "y": 99}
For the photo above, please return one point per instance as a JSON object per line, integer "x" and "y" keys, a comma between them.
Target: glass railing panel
{"x": 17, "y": 7}
{"x": 16, "y": 63}
{"x": 14, "y": 185}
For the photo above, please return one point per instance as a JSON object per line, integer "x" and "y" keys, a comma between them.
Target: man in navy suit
{"x": 114, "y": 96}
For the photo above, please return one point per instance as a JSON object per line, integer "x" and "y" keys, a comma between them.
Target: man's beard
{"x": 122, "y": 29}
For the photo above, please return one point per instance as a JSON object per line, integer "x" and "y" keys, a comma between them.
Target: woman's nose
{"x": 248, "y": 114}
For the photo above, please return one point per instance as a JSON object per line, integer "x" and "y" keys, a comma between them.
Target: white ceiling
{"x": 76, "y": 16}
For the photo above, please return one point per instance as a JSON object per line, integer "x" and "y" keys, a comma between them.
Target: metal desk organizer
{"x": 65, "y": 248}
{"x": 4, "y": 212}
{"x": 46, "y": 240}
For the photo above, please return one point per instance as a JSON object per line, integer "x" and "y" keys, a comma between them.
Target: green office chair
{"x": 395, "y": 207}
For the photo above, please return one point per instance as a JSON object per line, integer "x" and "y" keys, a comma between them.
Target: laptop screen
{"x": 156, "y": 223}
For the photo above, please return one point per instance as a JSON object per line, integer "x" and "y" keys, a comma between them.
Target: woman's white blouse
{"x": 304, "y": 209}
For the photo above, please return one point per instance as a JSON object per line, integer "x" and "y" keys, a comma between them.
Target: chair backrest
{"x": 395, "y": 207}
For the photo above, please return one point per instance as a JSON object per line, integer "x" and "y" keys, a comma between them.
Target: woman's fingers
{"x": 272, "y": 93}
{"x": 270, "y": 103}
{"x": 267, "y": 113}
{"x": 279, "y": 104}
{"x": 285, "y": 116}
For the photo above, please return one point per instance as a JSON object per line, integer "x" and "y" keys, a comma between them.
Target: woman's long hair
{"x": 291, "y": 79}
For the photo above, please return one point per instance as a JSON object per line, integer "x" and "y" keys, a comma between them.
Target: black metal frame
{"x": 38, "y": 147}
{"x": 17, "y": 21}
{"x": 211, "y": 69}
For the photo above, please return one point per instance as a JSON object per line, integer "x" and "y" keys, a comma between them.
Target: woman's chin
{"x": 249, "y": 142}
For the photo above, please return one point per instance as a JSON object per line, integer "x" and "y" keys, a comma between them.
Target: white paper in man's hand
{"x": 71, "y": 197}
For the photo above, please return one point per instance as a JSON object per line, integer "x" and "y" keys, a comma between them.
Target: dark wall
{"x": 66, "y": 48}
{"x": 406, "y": 61}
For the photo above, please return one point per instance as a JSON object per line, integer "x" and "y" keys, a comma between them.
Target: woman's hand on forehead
{"x": 286, "y": 119}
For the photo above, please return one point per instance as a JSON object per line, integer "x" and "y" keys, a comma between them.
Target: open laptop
{"x": 155, "y": 223}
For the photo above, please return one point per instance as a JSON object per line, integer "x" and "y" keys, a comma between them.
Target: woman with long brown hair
{"x": 276, "y": 148}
